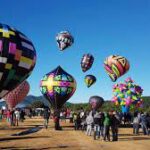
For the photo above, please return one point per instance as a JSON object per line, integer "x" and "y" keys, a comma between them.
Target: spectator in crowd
{"x": 22, "y": 115}
{"x": 8, "y": 116}
{"x": 144, "y": 123}
{"x": 97, "y": 121}
{"x": 46, "y": 116}
{"x": 1, "y": 114}
{"x": 17, "y": 117}
{"x": 136, "y": 123}
{"x": 101, "y": 125}
{"x": 114, "y": 122}
{"x": 106, "y": 127}
{"x": 89, "y": 122}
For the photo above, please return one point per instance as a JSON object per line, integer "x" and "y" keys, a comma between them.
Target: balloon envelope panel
{"x": 17, "y": 95}
{"x": 17, "y": 58}
{"x": 58, "y": 86}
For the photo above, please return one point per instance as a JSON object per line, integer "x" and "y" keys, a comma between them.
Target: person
{"x": 46, "y": 115}
{"x": 97, "y": 121}
{"x": 114, "y": 123}
{"x": 8, "y": 116}
{"x": 83, "y": 123}
{"x": 1, "y": 114}
{"x": 101, "y": 125}
{"x": 22, "y": 114}
{"x": 144, "y": 123}
{"x": 17, "y": 117}
{"x": 71, "y": 116}
{"x": 136, "y": 124}
{"x": 106, "y": 127}
{"x": 89, "y": 122}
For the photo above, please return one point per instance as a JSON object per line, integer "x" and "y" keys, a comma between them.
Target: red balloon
{"x": 17, "y": 95}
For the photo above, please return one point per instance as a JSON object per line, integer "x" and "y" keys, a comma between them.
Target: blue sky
{"x": 99, "y": 27}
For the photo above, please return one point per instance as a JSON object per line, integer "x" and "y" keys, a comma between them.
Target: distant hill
{"x": 28, "y": 100}
{"x": 107, "y": 105}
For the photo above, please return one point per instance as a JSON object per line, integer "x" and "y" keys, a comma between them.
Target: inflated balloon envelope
{"x": 89, "y": 80}
{"x": 96, "y": 102}
{"x": 17, "y": 95}
{"x": 87, "y": 62}
{"x": 64, "y": 40}
{"x": 17, "y": 58}
{"x": 57, "y": 86}
{"x": 116, "y": 66}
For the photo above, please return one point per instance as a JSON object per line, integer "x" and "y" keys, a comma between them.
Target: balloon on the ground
{"x": 89, "y": 80}
{"x": 127, "y": 94}
{"x": 17, "y": 58}
{"x": 17, "y": 95}
{"x": 86, "y": 62}
{"x": 96, "y": 102}
{"x": 57, "y": 86}
{"x": 116, "y": 66}
{"x": 64, "y": 40}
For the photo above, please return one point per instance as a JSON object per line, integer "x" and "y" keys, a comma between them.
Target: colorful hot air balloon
{"x": 86, "y": 62}
{"x": 89, "y": 80}
{"x": 57, "y": 86}
{"x": 64, "y": 40}
{"x": 96, "y": 102}
{"x": 17, "y": 58}
{"x": 127, "y": 94}
{"x": 17, "y": 95}
{"x": 116, "y": 66}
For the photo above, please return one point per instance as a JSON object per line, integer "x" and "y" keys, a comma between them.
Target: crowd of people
{"x": 12, "y": 116}
{"x": 99, "y": 125}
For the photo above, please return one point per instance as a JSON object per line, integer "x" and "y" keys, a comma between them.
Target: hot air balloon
{"x": 116, "y": 66}
{"x": 96, "y": 102}
{"x": 89, "y": 80}
{"x": 17, "y": 58}
{"x": 17, "y": 95}
{"x": 57, "y": 86}
{"x": 127, "y": 94}
{"x": 64, "y": 40}
{"x": 86, "y": 62}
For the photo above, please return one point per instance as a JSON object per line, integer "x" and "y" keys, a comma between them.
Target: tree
{"x": 37, "y": 104}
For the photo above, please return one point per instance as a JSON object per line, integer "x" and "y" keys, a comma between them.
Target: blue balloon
{"x": 125, "y": 109}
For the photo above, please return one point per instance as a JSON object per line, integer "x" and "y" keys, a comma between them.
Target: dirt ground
{"x": 67, "y": 139}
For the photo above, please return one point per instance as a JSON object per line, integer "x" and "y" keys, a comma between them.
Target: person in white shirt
{"x": 17, "y": 116}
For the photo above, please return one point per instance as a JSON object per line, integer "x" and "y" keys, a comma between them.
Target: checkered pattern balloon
{"x": 57, "y": 86}
{"x": 17, "y": 58}
{"x": 86, "y": 62}
{"x": 17, "y": 95}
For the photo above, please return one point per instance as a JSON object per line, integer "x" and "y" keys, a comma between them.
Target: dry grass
{"x": 67, "y": 139}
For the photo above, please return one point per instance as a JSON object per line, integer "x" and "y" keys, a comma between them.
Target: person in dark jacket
{"x": 22, "y": 114}
{"x": 144, "y": 123}
{"x": 114, "y": 123}
{"x": 46, "y": 116}
{"x": 97, "y": 120}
